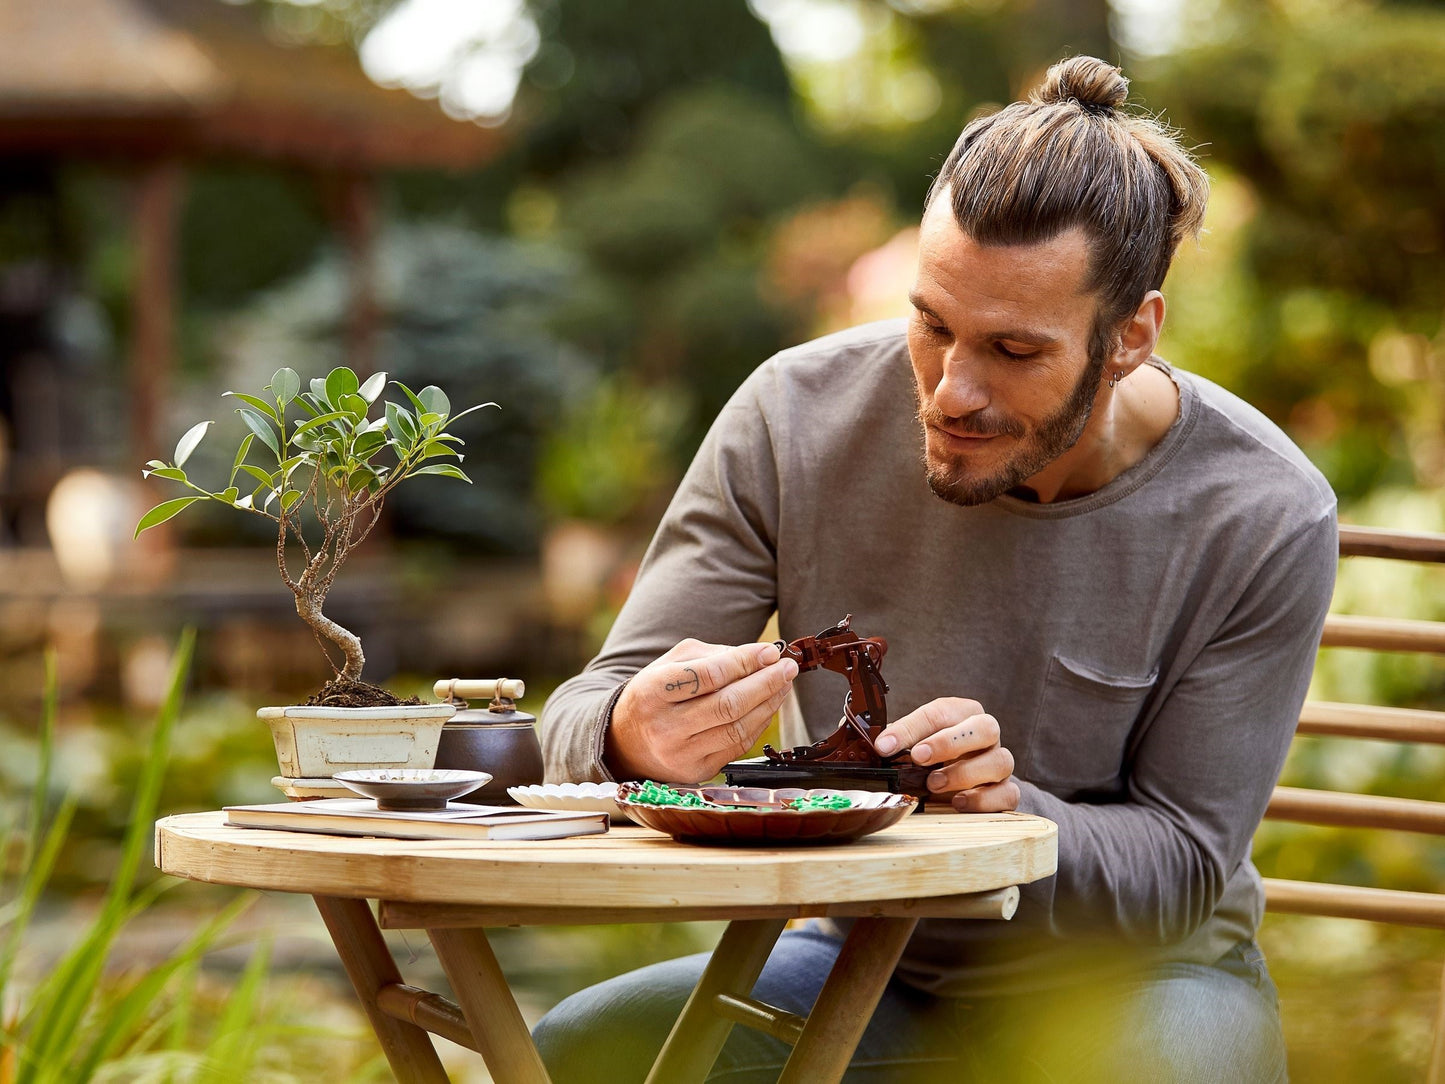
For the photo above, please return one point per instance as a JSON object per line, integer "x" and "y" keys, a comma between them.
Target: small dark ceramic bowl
{"x": 399, "y": 789}
{"x": 759, "y": 817}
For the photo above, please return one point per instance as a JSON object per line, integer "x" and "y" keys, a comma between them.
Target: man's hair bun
{"x": 1093, "y": 83}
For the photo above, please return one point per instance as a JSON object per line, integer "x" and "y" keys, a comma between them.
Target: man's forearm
{"x": 576, "y": 721}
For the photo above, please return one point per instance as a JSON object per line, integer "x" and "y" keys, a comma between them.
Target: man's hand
{"x": 695, "y": 709}
{"x": 963, "y": 740}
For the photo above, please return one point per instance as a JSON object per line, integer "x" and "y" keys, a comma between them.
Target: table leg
{"x": 370, "y": 966}
{"x": 847, "y": 1000}
{"x": 698, "y": 1036}
{"x": 486, "y": 1000}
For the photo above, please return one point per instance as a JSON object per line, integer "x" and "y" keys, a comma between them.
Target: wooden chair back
{"x": 1337, "y": 808}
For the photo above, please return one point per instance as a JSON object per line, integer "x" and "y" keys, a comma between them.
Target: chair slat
{"x": 1379, "y": 542}
{"x": 1383, "y": 633}
{"x": 1349, "y": 901}
{"x": 1367, "y": 721}
{"x": 1356, "y": 810}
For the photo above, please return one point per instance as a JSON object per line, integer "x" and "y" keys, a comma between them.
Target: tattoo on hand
{"x": 682, "y": 683}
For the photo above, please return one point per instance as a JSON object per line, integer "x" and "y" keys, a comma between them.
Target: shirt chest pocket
{"x": 1085, "y": 717}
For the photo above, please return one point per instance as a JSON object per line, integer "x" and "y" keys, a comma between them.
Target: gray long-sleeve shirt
{"x": 1145, "y": 648}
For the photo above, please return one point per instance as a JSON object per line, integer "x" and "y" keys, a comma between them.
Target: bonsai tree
{"x": 323, "y": 484}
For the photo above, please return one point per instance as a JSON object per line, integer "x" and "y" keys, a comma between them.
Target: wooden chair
{"x": 1337, "y": 808}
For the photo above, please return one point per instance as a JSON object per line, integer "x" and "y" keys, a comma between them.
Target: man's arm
{"x": 1153, "y": 868}
{"x": 710, "y": 572}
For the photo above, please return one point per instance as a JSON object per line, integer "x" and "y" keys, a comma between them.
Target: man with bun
{"x": 1102, "y": 580}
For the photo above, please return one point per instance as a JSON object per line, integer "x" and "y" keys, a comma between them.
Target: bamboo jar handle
{"x": 480, "y": 688}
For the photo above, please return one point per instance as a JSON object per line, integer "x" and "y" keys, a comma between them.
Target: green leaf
{"x": 230, "y": 494}
{"x": 435, "y": 447}
{"x": 256, "y": 473}
{"x": 289, "y": 499}
{"x": 284, "y": 385}
{"x": 320, "y": 419}
{"x": 479, "y": 406}
{"x": 162, "y": 512}
{"x": 306, "y": 403}
{"x": 435, "y": 400}
{"x": 415, "y": 399}
{"x": 373, "y": 387}
{"x": 262, "y": 428}
{"x": 318, "y": 392}
{"x": 260, "y": 404}
{"x": 446, "y": 470}
{"x": 175, "y": 474}
{"x": 154, "y": 463}
{"x": 356, "y": 405}
{"x": 340, "y": 381}
{"x": 240, "y": 455}
{"x": 188, "y": 442}
{"x": 400, "y": 421}
{"x": 367, "y": 443}
{"x": 360, "y": 478}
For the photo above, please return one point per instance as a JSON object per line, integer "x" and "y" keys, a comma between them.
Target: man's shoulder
{"x": 841, "y": 374}
{"x": 876, "y": 346}
{"x": 1251, "y": 454}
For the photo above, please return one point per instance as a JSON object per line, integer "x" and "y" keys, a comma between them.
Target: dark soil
{"x": 345, "y": 693}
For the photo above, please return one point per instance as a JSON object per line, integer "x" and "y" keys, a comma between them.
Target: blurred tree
{"x": 245, "y": 228}
{"x": 604, "y": 64}
{"x": 1336, "y": 123}
{"x": 679, "y": 229}
{"x": 461, "y": 310}
{"x": 924, "y": 69}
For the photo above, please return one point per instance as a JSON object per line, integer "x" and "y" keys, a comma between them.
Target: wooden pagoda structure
{"x": 154, "y": 86}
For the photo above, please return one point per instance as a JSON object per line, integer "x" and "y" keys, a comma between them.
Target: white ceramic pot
{"x": 316, "y": 743}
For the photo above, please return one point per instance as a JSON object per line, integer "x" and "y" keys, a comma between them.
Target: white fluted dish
{"x": 580, "y": 797}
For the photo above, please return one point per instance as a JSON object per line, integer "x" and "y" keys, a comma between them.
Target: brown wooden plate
{"x": 754, "y": 815}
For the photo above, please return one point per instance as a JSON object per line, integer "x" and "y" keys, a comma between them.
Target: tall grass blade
{"x": 234, "y": 1046}
{"x": 36, "y": 862}
{"x": 36, "y": 821}
{"x": 52, "y": 1024}
{"x": 127, "y": 1012}
{"x": 37, "y": 875}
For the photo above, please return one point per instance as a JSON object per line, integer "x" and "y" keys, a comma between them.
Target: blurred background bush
{"x": 603, "y": 215}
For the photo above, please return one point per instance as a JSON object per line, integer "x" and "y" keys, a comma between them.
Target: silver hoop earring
{"x": 1114, "y": 380}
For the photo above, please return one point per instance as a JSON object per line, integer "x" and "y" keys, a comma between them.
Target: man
{"x": 1102, "y": 581}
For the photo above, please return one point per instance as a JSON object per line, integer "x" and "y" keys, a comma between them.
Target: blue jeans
{"x": 1181, "y": 1022}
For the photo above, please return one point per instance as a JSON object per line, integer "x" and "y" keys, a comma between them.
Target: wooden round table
{"x": 944, "y": 865}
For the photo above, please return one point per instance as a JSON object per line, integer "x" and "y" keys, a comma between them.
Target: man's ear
{"x": 1139, "y": 335}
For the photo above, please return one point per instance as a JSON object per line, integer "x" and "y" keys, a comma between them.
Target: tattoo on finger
{"x": 692, "y": 685}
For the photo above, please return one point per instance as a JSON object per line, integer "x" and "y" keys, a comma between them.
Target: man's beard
{"x": 1055, "y": 436}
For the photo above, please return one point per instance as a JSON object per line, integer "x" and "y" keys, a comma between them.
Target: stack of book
{"x": 360, "y": 817}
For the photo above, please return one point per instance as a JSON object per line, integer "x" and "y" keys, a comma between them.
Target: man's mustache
{"x": 980, "y": 423}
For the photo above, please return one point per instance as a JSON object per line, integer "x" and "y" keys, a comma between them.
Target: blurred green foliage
{"x": 1334, "y": 122}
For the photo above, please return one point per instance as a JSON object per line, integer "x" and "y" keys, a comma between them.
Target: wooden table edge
{"x": 200, "y": 847}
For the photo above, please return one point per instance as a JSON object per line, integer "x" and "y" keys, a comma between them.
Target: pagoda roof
{"x": 191, "y": 78}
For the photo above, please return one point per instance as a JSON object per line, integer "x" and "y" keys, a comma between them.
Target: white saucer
{"x": 581, "y": 797}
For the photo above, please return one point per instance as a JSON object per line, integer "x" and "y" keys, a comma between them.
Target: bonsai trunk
{"x": 309, "y": 610}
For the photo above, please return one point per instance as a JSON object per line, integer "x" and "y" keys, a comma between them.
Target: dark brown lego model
{"x": 847, "y": 758}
